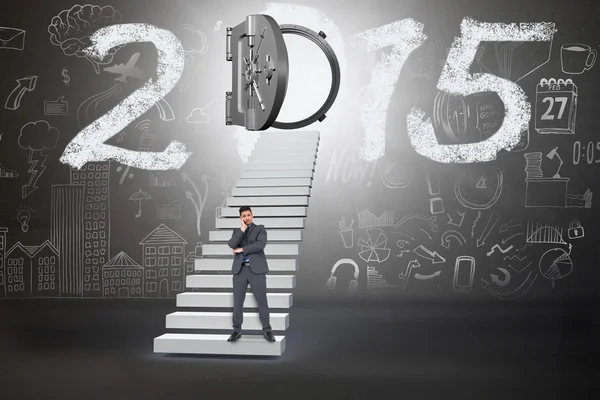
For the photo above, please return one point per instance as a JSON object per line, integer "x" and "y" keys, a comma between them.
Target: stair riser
{"x": 275, "y": 300}
{"x": 268, "y": 192}
{"x": 274, "y": 182}
{"x": 274, "y": 249}
{"x": 247, "y": 345}
{"x": 233, "y": 212}
{"x": 269, "y": 223}
{"x": 251, "y": 321}
{"x": 226, "y": 281}
{"x": 273, "y": 201}
{"x": 280, "y": 166}
{"x": 283, "y": 173}
{"x": 273, "y": 236}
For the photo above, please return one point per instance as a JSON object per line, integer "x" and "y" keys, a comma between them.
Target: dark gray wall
{"x": 388, "y": 200}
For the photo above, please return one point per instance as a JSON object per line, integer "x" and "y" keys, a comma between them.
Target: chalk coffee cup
{"x": 577, "y": 58}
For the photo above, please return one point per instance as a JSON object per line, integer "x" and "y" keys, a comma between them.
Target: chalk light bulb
{"x": 23, "y": 217}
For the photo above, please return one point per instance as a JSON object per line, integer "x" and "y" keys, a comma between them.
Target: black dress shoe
{"x": 269, "y": 336}
{"x": 234, "y": 336}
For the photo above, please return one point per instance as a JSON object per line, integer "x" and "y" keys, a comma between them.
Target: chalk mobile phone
{"x": 464, "y": 272}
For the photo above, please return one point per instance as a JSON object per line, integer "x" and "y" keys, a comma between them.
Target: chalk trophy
{"x": 577, "y": 58}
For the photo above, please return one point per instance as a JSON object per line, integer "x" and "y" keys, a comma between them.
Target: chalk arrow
{"x": 452, "y": 234}
{"x": 501, "y": 282}
{"x": 461, "y": 217}
{"x": 514, "y": 294}
{"x": 429, "y": 255}
{"x": 510, "y": 224}
{"x": 510, "y": 237}
{"x": 425, "y": 277}
{"x": 24, "y": 85}
{"x": 492, "y": 221}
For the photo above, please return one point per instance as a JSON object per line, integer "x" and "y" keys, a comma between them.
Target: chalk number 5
{"x": 89, "y": 144}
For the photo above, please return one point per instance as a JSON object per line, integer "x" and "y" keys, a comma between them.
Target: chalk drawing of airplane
{"x": 128, "y": 70}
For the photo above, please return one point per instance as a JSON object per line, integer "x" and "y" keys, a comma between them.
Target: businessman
{"x": 249, "y": 267}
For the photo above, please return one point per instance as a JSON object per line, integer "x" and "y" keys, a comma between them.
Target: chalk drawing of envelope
{"x": 12, "y": 38}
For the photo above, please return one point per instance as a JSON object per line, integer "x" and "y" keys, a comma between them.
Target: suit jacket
{"x": 253, "y": 243}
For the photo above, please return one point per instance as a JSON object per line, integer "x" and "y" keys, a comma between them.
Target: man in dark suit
{"x": 249, "y": 266}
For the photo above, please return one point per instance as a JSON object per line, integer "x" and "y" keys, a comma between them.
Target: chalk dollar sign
{"x": 66, "y": 77}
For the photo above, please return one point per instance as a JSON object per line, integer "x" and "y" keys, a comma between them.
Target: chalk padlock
{"x": 575, "y": 230}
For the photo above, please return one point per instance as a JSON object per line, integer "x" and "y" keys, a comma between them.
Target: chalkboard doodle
{"x": 164, "y": 267}
{"x": 347, "y": 233}
{"x": 24, "y": 85}
{"x": 347, "y": 167}
{"x": 576, "y": 58}
{"x": 197, "y": 201}
{"x": 517, "y": 292}
{"x": 464, "y": 272}
{"x": 575, "y": 231}
{"x": 139, "y": 196}
{"x": 456, "y": 220}
{"x": 36, "y": 137}
{"x": 556, "y": 264}
{"x": 552, "y": 191}
{"x": 12, "y": 38}
{"x": 555, "y": 106}
{"x": 168, "y": 211}
{"x": 332, "y": 280}
{"x": 7, "y": 172}
{"x": 23, "y": 216}
{"x": 422, "y": 62}
{"x": 453, "y": 234}
{"x": 375, "y": 247}
{"x": 544, "y": 233}
{"x": 71, "y": 31}
{"x": 66, "y": 76}
{"x": 56, "y": 107}
{"x": 429, "y": 222}
{"x": 195, "y": 43}
{"x": 366, "y": 219}
{"x": 375, "y": 280}
{"x": 479, "y": 188}
{"x": 436, "y": 204}
{"x": 397, "y": 175}
{"x": 198, "y": 116}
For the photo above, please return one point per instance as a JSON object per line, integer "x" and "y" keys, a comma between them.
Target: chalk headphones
{"x": 333, "y": 279}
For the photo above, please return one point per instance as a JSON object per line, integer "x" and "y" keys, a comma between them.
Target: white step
{"x": 222, "y": 320}
{"x": 219, "y": 264}
{"x": 274, "y": 182}
{"x": 290, "y": 135}
{"x": 282, "y": 165}
{"x": 247, "y": 345}
{"x": 279, "y": 173}
{"x": 230, "y": 212}
{"x": 214, "y": 299}
{"x": 226, "y": 281}
{"x": 257, "y": 201}
{"x": 282, "y": 150}
{"x": 271, "y": 249}
{"x": 273, "y": 236}
{"x": 271, "y": 191}
{"x": 273, "y": 223}
{"x": 282, "y": 159}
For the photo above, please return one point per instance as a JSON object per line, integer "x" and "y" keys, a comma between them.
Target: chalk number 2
{"x": 89, "y": 144}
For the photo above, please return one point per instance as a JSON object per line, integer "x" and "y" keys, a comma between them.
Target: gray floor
{"x": 88, "y": 349}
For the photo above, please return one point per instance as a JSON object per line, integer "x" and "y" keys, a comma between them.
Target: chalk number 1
{"x": 88, "y": 145}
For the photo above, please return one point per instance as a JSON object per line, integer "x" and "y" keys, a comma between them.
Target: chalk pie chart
{"x": 555, "y": 264}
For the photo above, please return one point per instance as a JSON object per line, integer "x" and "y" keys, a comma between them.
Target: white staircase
{"x": 276, "y": 184}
